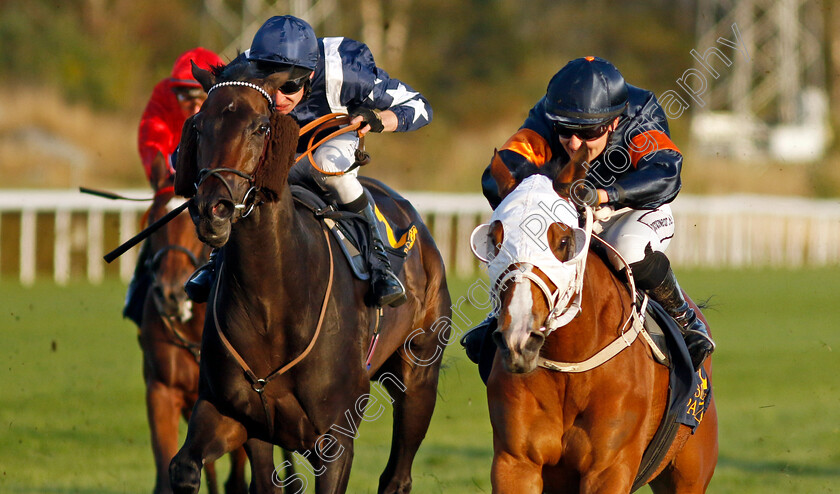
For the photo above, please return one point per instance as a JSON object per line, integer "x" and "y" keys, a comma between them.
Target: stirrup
{"x": 387, "y": 288}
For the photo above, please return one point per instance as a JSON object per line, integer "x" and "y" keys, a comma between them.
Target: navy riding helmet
{"x": 286, "y": 41}
{"x": 587, "y": 92}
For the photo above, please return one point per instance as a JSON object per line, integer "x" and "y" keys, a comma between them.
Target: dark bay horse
{"x": 285, "y": 347}
{"x": 580, "y": 430}
{"x": 170, "y": 334}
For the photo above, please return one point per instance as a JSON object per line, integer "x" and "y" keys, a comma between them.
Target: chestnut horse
{"x": 285, "y": 347}
{"x": 170, "y": 334}
{"x": 579, "y": 430}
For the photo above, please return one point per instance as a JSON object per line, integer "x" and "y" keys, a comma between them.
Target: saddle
{"x": 351, "y": 230}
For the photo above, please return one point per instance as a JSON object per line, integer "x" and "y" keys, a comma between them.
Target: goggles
{"x": 188, "y": 93}
{"x": 292, "y": 87}
{"x": 584, "y": 134}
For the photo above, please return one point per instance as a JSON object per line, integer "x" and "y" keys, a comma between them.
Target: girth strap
{"x": 258, "y": 384}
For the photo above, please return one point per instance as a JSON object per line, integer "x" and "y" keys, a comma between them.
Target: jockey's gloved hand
{"x": 370, "y": 117}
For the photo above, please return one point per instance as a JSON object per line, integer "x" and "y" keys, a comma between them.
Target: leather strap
{"x": 322, "y": 123}
{"x": 258, "y": 384}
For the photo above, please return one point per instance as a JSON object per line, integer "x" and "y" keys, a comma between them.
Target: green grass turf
{"x": 72, "y": 417}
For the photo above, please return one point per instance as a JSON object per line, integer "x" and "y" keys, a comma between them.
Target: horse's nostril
{"x": 535, "y": 341}
{"x": 223, "y": 210}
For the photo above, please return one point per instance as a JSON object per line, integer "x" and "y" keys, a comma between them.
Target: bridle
{"x": 171, "y": 321}
{"x": 563, "y": 303}
{"x": 249, "y": 201}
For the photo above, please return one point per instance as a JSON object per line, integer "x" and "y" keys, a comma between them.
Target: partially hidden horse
{"x": 170, "y": 336}
{"x": 578, "y": 429}
{"x": 287, "y": 352}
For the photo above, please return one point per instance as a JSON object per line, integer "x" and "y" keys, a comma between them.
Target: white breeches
{"x": 337, "y": 155}
{"x": 630, "y": 233}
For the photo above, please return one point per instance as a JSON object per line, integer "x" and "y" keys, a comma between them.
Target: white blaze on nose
{"x": 521, "y": 315}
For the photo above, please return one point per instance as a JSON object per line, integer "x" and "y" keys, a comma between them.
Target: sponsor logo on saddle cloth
{"x": 526, "y": 215}
{"x": 697, "y": 404}
{"x": 399, "y": 241}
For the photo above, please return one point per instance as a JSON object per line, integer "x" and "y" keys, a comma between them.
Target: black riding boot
{"x": 697, "y": 339}
{"x": 473, "y": 340}
{"x": 200, "y": 282}
{"x": 135, "y": 296}
{"x": 386, "y": 286}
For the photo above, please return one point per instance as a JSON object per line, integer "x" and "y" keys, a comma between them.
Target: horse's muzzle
{"x": 519, "y": 357}
{"x": 213, "y": 220}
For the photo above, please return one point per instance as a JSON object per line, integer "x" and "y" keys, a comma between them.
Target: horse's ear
{"x": 204, "y": 77}
{"x": 502, "y": 175}
{"x": 186, "y": 166}
{"x": 573, "y": 171}
{"x": 279, "y": 155}
{"x": 159, "y": 176}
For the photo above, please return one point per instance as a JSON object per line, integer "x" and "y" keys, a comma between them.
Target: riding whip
{"x": 109, "y": 257}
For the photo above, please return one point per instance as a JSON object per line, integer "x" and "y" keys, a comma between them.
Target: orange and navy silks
{"x": 639, "y": 169}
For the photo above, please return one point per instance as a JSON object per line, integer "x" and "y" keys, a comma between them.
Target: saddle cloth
{"x": 352, "y": 233}
{"x": 688, "y": 392}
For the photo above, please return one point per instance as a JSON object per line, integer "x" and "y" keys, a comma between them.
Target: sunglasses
{"x": 585, "y": 134}
{"x": 292, "y": 87}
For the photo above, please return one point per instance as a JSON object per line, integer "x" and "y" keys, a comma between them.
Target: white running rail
{"x": 63, "y": 234}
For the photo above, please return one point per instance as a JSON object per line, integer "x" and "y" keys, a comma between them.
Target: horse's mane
{"x": 239, "y": 69}
{"x": 551, "y": 168}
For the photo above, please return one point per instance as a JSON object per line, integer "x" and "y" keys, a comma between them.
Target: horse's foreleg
{"x": 210, "y": 477}
{"x": 163, "y": 410}
{"x": 331, "y": 462}
{"x": 414, "y": 392}
{"x": 209, "y": 435}
{"x": 235, "y": 483}
{"x": 265, "y": 476}
{"x": 511, "y": 475}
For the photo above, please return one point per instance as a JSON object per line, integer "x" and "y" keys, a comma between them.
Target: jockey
{"x": 173, "y": 100}
{"x": 632, "y": 164}
{"x": 335, "y": 75}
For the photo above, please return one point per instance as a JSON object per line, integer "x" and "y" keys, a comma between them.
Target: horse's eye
{"x": 262, "y": 130}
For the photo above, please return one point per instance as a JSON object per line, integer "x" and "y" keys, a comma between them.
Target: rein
{"x": 327, "y": 122}
{"x": 258, "y": 384}
{"x": 630, "y": 330}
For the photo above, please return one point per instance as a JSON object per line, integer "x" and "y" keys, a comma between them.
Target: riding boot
{"x": 200, "y": 282}
{"x": 135, "y": 296}
{"x": 386, "y": 286}
{"x": 473, "y": 340}
{"x": 669, "y": 295}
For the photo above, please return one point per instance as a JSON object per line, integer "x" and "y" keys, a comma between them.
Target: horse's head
{"x": 535, "y": 253}
{"x": 175, "y": 251}
{"x": 236, "y": 152}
